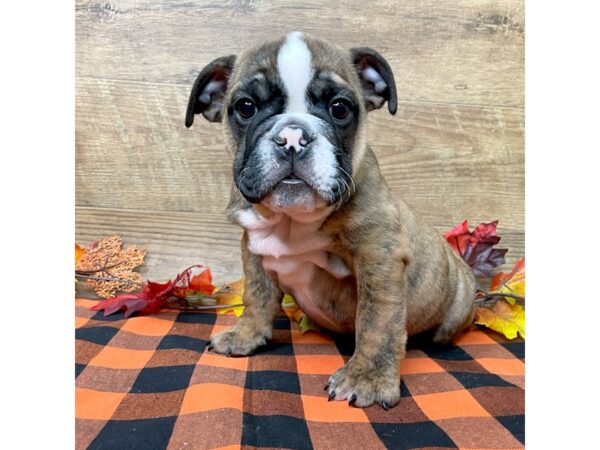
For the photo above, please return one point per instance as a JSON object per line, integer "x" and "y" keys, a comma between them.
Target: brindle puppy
{"x": 319, "y": 220}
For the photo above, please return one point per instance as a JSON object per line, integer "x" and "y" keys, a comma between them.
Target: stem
{"x": 93, "y": 278}
{"x": 489, "y": 296}
{"x": 102, "y": 269}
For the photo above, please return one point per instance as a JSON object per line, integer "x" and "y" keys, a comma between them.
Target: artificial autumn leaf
{"x": 512, "y": 283}
{"x": 458, "y": 236}
{"x": 79, "y": 252}
{"x": 504, "y": 318}
{"x": 305, "y": 323}
{"x": 196, "y": 288}
{"x": 293, "y": 311}
{"x": 288, "y": 302}
{"x": 231, "y": 294}
{"x": 202, "y": 282}
{"x": 476, "y": 247}
{"x": 483, "y": 258}
{"x": 108, "y": 268}
{"x": 155, "y": 296}
{"x": 485, "y": 233}
{"x": 150, "y": 299}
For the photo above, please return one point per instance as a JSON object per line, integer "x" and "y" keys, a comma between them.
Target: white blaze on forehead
{"x": 293, "y": 64}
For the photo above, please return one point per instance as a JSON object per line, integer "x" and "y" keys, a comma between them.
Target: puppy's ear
{"x": 208, "y": 93}
{"x": 376, "y": 78}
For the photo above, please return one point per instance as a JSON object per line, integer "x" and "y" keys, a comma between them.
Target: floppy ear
{"x": 208, "y": 93}
{"x": 376, "y": 78}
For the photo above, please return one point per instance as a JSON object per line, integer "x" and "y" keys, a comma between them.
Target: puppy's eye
{"x": 246, "y": 108}
{"x": 339, "y": 109}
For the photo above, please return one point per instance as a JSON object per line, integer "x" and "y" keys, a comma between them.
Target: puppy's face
{"x": 294, "y": 113}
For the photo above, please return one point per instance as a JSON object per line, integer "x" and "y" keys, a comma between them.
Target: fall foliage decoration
{"x": 501, "y": 309}
{"x": 231, "y": 295}
{"x": 504, "y": 318}
{"x": 507, "y": 314}
{"x": 477, "y": 247}
{"x": 293, "y": 311}
{"x": 225, "y": 299}
{"x": 189, "y": 289}
{"x": 194, "y": 292}
{"x": 79, "y": 252}
{"x": 107, "y": 268}
{"x": 512, "y": 285}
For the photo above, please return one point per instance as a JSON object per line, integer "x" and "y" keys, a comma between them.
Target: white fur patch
{"x": 281, "y": 235}
{"x": 266, "y": 153}
{"x": 293, "y": 64}
{"x": 324, "y": 164}
{"x": 287, "y": 243}
{"x": 293, "y": 248}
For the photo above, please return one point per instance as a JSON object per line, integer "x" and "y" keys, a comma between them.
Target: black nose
{"x": 292, "y": 138}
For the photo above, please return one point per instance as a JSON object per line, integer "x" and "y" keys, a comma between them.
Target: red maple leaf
{"x": 485, "y": 233}
{"x": 476, "y": 247}
{"x": 458, "y": 236}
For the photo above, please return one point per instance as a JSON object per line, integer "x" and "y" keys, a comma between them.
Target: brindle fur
{"x": 405, "y": 278}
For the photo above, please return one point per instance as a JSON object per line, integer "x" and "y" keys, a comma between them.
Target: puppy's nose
{"x": 292, "y": 138}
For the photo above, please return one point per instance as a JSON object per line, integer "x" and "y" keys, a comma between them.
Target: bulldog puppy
{"x": 319, "y": 221}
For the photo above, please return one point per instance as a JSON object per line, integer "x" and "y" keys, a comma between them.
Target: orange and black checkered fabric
{"x": 146, "y": 382}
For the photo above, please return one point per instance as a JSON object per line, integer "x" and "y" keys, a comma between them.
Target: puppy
{"x": 319, "y": 221}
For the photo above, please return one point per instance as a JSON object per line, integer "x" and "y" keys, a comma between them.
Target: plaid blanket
{"x": 146, "y": 382}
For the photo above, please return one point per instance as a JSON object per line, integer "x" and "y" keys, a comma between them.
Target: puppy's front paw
{"x": 362, "y": 385}
{"x": 236, "y": 341}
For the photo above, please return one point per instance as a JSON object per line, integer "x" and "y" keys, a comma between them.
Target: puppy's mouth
{"x": 293, "y": 194}
{"x": 292, "y": 180}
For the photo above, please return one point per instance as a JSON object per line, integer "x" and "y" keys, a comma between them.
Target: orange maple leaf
{"x": 512, "y": 283}
{"x": 79, "y": 252}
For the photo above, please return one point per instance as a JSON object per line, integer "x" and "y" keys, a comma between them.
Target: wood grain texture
{"x": 468, "y": 52}
{"x": 177, "y": 240}
{"x": 453, "y": 151}
{"x": 173, "y": 241}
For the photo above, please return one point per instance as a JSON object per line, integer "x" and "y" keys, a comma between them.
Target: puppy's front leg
{"x": 262, "y": 300}
{"x": 372, "y": 374}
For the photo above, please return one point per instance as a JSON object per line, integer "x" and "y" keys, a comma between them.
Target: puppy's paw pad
{"x": 235, "y": 342}
{"x": 362, "y": 387}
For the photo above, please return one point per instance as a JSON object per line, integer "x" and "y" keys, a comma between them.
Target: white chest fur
{"x": 292, "y": 247}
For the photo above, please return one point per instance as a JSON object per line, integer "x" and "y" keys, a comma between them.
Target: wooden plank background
{"x": 454, "y": 150}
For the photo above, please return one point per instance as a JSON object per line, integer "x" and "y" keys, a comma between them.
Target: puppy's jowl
{"x": 319, "y": 221}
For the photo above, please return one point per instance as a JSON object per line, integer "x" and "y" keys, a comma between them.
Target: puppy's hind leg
{"x": 462, "y": 308}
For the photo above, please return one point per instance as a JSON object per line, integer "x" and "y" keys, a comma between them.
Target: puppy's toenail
{"x": 331, "y": 396}
{"x": 352, "y": 400}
